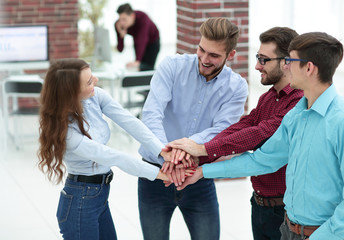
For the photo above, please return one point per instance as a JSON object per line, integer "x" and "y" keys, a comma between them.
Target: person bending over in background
{"x": 145, "y": 35}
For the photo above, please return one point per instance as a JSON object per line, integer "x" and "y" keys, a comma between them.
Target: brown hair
{"x": 221, "y": 29}
{"x": 281, "y": 36}
{"x": 323, "y": 50}
{"x": 60, "y": 105}
{"x": 125, "y": 8}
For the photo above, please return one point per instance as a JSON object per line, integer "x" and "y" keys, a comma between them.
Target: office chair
{"x": 16, "y": 87}
{"x": 136, "y": 85}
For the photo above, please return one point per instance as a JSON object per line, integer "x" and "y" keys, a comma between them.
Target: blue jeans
{"x": 197, "y": 202}
{"x": 83, "y": 212}
{"x": 266, "y": 221}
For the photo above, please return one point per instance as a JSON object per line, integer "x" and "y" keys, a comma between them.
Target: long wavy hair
{"x": 60, "y": 105}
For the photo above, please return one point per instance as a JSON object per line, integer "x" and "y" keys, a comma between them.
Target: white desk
{"x": 25, "y": 77}
{"x": 126, "y": 86}
{"x": 113, "y": 77}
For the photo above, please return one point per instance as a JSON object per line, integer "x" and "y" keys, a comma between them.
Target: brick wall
{"x": 191, "y": 14}
{"x": 60, "y": 15}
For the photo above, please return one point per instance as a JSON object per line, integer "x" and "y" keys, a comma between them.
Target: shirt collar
{"x": 322, "y": 103}
{"x": 285, "y": 91}
{"x": 324, "y": 100}
{"x": 86, "y": 102}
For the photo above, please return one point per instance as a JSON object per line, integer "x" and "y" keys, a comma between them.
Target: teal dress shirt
{"x": 311, "y": 141}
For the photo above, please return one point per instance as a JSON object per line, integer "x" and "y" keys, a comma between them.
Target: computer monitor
{"x": 102, "y": 46}
{"x": 24, "y": 47}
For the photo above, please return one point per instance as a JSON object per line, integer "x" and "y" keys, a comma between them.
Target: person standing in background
{"x": 145, "y": 34}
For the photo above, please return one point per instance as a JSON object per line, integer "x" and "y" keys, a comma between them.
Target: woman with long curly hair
{"x": 73, "y": 137}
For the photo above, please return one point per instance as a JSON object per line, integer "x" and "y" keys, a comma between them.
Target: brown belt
{"x": 268, "y": 201}
{"x": 297, "y": 228}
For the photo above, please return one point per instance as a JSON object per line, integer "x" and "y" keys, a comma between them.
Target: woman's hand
{"x": 198, "y": 174}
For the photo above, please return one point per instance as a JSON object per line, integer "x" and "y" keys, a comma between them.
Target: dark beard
{"x": 273, "y": 77}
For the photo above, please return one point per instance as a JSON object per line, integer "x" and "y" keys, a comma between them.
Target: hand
{"x": 188, "y": 146}
{"x": 167, "y": 167}
{"x": 178, "y": 175}
{"x": 166, "y": 154}
{"x": 193, "y": 162}
{"x": 120, "y": 29}
{"x": 162, "y": 176}
{"x": 181, "y": 156}
{"x": 196, "y": 161}
{"x": 167, "y": 183}
{"x": 192, "y": 179}
{"x": 173, "y": 155}
{"x": 135, "y": 64}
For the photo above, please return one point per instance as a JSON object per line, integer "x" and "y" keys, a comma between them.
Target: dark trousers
{"x": 197, "y": 202}
{"x": 266, "y": 221}
{"x": 150, "y": 56}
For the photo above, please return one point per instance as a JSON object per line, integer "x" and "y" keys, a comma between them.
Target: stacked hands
{"x": 181, "y": 162}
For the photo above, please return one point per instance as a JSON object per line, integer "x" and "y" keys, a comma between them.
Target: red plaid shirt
{"x": 251, "y": 131}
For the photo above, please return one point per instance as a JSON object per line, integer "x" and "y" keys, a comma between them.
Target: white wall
{"x": 303, "y": 16}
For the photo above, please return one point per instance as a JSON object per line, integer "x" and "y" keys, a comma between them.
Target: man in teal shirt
{"x": 310, "y": 139}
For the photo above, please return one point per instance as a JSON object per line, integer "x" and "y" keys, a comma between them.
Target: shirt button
{"x": 194, "y": 119}
{"x": 199, "y": 102}
{"x": 277, "y": 99}
{"x": 258, "y": 191}
{"x": 233, "y": 152}
{"x": 214, "y": 154}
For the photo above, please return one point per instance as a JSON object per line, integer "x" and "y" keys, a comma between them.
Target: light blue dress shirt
{"x": 181, "y": 103}
{"x": 86, "y": 156}
{"x": 311, "y": 141}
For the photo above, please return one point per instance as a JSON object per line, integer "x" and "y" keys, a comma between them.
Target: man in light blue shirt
{"x": 310, "y": 139}
{"x": 194, "y": 96}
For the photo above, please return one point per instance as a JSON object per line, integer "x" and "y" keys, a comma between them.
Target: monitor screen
{"x": 24, "y": 43}
{"x": 102, "y": 48}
